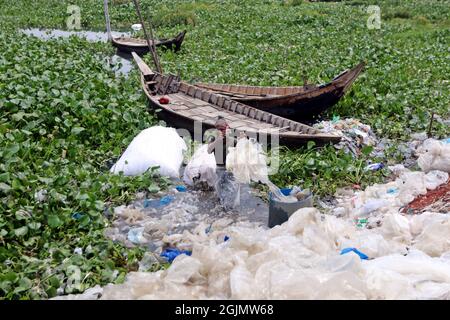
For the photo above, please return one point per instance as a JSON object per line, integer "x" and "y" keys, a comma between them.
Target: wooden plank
{"x": 143, "y": 67}
{"x": 234, "y": 105}
{"x": 221, "y": 101}
{"x": 214, "y": 98}
{"x": 191, "y": 91}
{"x": 178, "y": 107}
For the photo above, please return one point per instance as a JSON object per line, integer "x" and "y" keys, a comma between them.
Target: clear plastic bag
{"x": 201, "y": 168}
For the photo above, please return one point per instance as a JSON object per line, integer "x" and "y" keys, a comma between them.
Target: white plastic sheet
{"x": 155, "y": 146}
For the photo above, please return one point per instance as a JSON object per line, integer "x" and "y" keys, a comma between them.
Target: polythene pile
{"x": 408, "y": 255}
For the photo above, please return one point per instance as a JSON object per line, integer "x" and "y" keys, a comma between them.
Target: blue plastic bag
{"x": 171, "y": 253}
{"x": 181, "y": 188}
{"x": 153, "y": 203}
{"x": 359, "y": 253}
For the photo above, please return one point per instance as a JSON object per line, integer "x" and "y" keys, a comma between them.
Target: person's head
{"x": 221, "y": 125}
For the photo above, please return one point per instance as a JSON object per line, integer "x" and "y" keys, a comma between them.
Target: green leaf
{"x": 77, "y": 130}
{"x": 5, "y": 187}
{"x": 20, "y": 232}
{"x": 54, "y": 221}
{"x": 34, "y": 225}
{"x": 153, "y": 188}
{"x": 310, "y": 145}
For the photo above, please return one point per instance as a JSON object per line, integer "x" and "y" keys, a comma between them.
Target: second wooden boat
{"x": 140, "y": 46}
{"x": 296, "y": 103}
{"x": 189, "y": 107}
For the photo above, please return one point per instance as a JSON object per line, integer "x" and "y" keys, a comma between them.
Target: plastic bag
{"x": 201, "y": 168}
{"x": 434, "y": 155}
{"x": 396, "y": 227}
{"x": 434, "y": 239}
{"x": 247, "y": 161}
{"x": 155, "y": 146}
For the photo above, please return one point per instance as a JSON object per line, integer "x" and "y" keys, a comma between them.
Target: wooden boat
{"x": 129, "y": 45}
{"x": 140, "y": 46}
{"x": 296, "y": 103}
{"x": 189, "y": 106}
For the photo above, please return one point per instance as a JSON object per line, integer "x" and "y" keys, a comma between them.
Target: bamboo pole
{"x": 430, "y": 127}
{"x": 108, "y": 22}
{"x": 151, "y": 44}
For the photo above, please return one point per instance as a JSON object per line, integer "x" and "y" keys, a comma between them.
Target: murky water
{"x": 121, "y": 63}
{"x": 185, "y": 211}
{"x": 93, "y": 36}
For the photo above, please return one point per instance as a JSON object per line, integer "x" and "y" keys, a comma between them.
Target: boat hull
{"x": 295, "y": 103}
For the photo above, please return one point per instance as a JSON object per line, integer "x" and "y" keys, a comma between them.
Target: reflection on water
{"x": 121, "y": 63}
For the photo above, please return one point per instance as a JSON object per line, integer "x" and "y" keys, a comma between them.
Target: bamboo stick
{"x": 151, "y": 44}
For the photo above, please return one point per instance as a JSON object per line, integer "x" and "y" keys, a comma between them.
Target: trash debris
{"x": 384, "y": 255}
{"x": 148, "y": 260}
{"x": 247, "y": 162}
{"x": 362, "y": 223}
{"x": 181, "y": 188}
{"x": 90, "y": 294}
{"x": 153, "y": 147}
{"x": 434, "y": 155}
{"x": 154, "y": 203}
{"x": 359, "y": 253}
{"x": 136, "y": 27}
{"x": 300, "y": 259}
{"x": 374, "y": 167}
{"x": 420, "y": 136}
{"x": 188, "y": 211}
{"x": 78, "y": 251}
{"x": 201, "y": 169}
{"x": 392, "y": 190}
{"x": 171, "y": 253}
{"x": 135, "y": 235}
{"x": 355, "y": 135}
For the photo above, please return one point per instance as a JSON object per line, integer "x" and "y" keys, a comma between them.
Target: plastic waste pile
{"x": 364, "y": 248}
{"x": 201, "y": 169}
{"x": 434, "y": 155}
{"x": 407, "y": 258}
{"x": 355, "y": 135}
{"x": 151, "y": 223}
{"x": 155, "y": 146}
